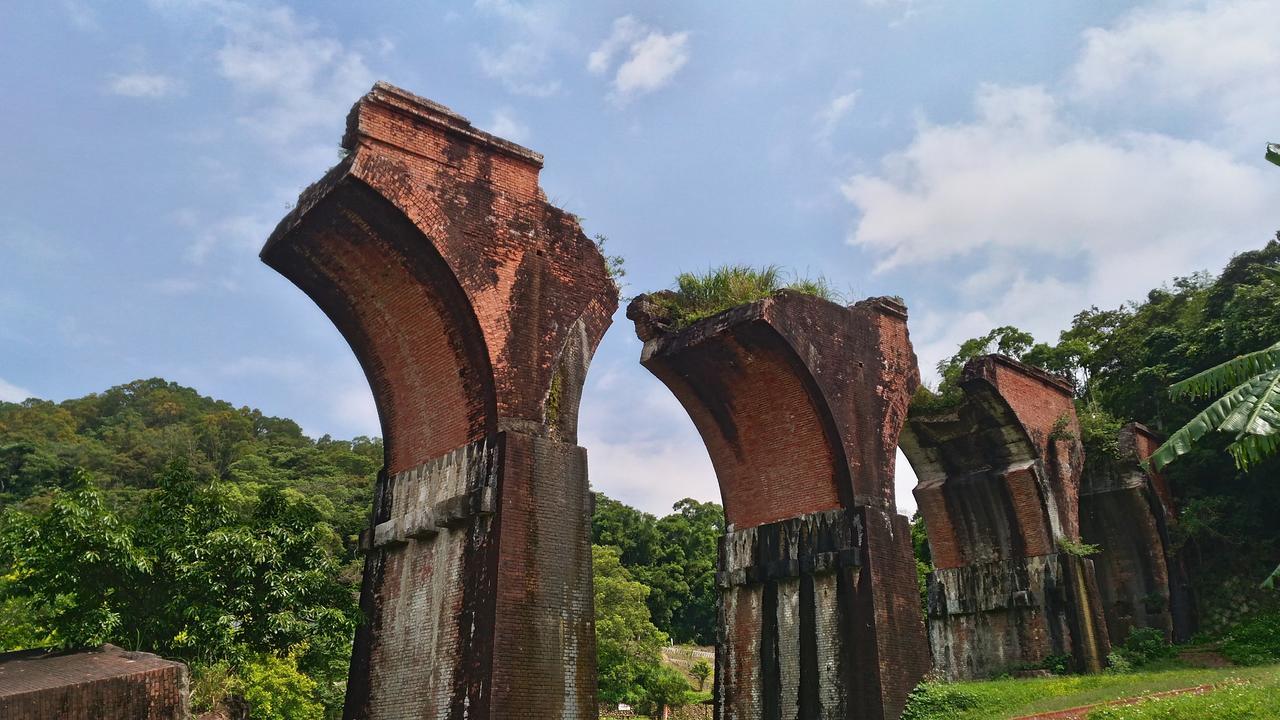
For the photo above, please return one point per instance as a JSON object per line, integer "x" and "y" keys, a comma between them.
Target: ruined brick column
{"x": 998, "y": 489}
{"x": 800, "y": 402}
{"x": 474, "y": 307}
{"x": 1128, "y": 512}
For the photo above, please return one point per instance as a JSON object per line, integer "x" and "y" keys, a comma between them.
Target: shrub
{"x": 1255, "y": 641}
{"x": 1077, "y": 549}
{"x": 664, "y": 686}
{"x": 1118, "y": 663}
{"x": 276, "y": 689}
{"x": 1144, "y": 645}
{"x": 931, "y": 699}
{"x": 1059, "y": 664}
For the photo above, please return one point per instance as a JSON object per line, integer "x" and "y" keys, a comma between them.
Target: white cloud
{"x": 522, "y": 63}
{"x": 1039, "y": 213}
{"x": 829, "y": 117}
{"x": 81, "y": 14}
{"x": 1219, "y": 56}
{"x": 626, "y": 30}
{"x": 344, "y": 407}
{"x": 907, "y": 9}
{"x": 295, "y": 78}
{"x": 650, "y": 58}
{"x": 176, "y": 286}
{"x": 1020, "y": 176}
{"x": 142, "y": 85}
{"x": 1061, "y": 217}
{"x": 505, "y": 125}
{"x": 904, "y": 479}
{"x": 652, "y": 475}
{"x": 243, "y": 235}
{"x": 520, "y": 66}
{"x": 12, "y": 393}
{"x": 353, "y": 406}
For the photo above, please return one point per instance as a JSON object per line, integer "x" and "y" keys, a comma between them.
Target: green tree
{"x": 202, "y": 573}
{"x": 1006, "y": 340}
{"x": 701, "y": 669}
{"x": 1124, "y": 360}
{"x": 628, "y": 646}
{"x": 664, "y": 687}
{"x": 675, "y": 557}
{"x": 78, "y": 562}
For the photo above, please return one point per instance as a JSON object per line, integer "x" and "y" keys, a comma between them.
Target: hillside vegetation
{"x": 155, "y": 518}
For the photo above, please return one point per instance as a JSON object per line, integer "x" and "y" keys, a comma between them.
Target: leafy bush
{"x": 929, "y": 700}
{"x": 272, "y": 688}
{"x": 701, "y": 670}
{"x": 664, "y": 686}
{"x": 700, "y": 295}
{"x": 276, "y": 690}
{"x": 1144, "y": 645}
{"x": 1077, "y": 549}
{"x": 1118, "y": 663}
{"x": 1059, "y": 664}
{"x": 1254, "y": 642}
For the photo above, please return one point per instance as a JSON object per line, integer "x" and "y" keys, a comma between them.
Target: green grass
{"x": 1010, "y": 698}
{"x": 701, "y": 295}
{"x": 1257, "y": 697}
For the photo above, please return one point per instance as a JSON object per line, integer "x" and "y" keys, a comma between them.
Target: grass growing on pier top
{"x": 700, "y": 295}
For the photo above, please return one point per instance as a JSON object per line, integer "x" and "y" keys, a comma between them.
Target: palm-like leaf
{"x": 1229, "y": 374}
{"x": 1251, "y": 410}
{"x": 1270, "y": 582}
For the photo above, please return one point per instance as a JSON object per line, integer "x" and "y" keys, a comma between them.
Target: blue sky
{"x": 991, "y": 162}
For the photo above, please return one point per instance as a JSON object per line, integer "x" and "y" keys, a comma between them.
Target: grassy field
{"x": 1252, "y": 692}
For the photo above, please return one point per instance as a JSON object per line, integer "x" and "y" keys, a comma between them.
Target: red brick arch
{"x": 474, "y": 308}
{"x": 770, "y": 436}
{"x": 413, "y": 329}
{"x": 998, "y": 488}
{"x": 800, "y": 401}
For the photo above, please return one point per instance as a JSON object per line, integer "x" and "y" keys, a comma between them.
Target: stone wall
{"x": 474, "y": 307}
{"x": 800, "y": 402}
{"x": 104, "y": 684}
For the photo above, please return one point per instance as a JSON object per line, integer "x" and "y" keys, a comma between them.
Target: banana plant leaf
{"x": 1251, "y": 410}
{"x": 1270, "y": 582}
{"x": 1229, "y": 374}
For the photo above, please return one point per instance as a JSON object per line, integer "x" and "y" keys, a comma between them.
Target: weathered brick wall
{"x": 800, "y": 402}
{"x": 104, "y": 684}
{"x": 998, "y": 488}
{"x": 1044, "y": 406}
{"x": 474, "y": 307}
{"x": 1128, "y": 512}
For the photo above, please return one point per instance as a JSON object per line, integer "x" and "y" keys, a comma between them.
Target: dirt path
{"x": 1080, "y": 713}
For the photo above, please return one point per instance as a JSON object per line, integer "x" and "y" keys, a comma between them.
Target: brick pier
{"x": 474, "y": 307}
{"x": 800, "y": 402}
{"x": 998, "y": 488}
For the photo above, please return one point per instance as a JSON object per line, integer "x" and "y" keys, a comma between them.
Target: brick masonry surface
{"x": 1128, "y": 512}
{"x": 474, "y": 307}
{"x": 799, "y": 402}
{"x": 104, "y": 684}
{"x": 998, "y": 488}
